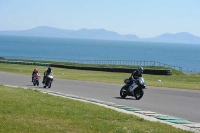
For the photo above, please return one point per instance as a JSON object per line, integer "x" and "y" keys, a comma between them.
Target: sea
{"x": 186, "y": 56}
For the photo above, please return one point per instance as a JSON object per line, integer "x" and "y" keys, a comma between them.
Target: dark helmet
{"x": 49, "y": 69}
{"x": 140, "y": 69}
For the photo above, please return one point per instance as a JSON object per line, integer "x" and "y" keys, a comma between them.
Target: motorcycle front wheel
{"x": 34, "y": 82}
{"x": 49, "y": 86}
{"x": 44, "y": 85}
{"x": 123, "y": 92}
{"x": 138, "y": 93}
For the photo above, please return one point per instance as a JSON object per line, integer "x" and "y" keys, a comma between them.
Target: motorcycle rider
{"x": 47, "y": 72}
{"x": 133, "y": 79}
{"x": 35, "y": 71}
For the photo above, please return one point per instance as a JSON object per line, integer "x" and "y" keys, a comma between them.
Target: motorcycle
{"x": 137, "y": 92}
{"x": 36, "y": 78}
{"x": 48, "y": 81}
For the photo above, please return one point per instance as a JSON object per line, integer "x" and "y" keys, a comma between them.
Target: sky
{"x": 144, "y": 18}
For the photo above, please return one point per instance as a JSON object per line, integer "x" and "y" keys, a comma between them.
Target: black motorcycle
{"x": 48, "y": 81}
{"x": 137, "y": 92}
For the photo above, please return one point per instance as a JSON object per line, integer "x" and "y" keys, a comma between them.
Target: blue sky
{"x": 144, "y": 18}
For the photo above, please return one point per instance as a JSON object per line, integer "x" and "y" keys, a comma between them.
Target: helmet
{"x": 140, "y": 69}
{"x": 35, "y": 69}
{"x": 49, "y": 69}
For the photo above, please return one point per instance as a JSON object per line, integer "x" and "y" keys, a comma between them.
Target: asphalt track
{"x": 170, "y": 101}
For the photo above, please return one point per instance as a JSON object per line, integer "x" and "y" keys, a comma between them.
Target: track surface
{"x": 174, "y": 102}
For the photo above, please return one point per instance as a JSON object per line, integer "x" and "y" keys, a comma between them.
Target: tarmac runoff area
{"x": 147, "y": 115}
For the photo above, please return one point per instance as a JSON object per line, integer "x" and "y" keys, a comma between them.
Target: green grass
{"x": 31, "y": 111}
{"x": 177, "y": 80}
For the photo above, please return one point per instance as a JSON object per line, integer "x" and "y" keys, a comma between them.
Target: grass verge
{"x": 31, "y": 111}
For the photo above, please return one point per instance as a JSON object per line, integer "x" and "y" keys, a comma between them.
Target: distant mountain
{"x": 182, "y": 37}
{"x": 45, "y": 31}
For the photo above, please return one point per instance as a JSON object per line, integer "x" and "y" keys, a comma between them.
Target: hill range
{"x": 102, "y": 34}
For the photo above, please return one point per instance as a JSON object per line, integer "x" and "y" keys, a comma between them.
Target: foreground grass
{"x": 31, "y": 111}
{"x": 177, "y": 80}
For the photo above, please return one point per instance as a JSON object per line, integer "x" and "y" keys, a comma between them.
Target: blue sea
{"x": 186, "y": 56}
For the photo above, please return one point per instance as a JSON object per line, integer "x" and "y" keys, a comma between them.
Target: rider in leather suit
{"x": 133, "y": 78}
{"x": 35, "y": 71}
{"x": 47, "y": 72}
